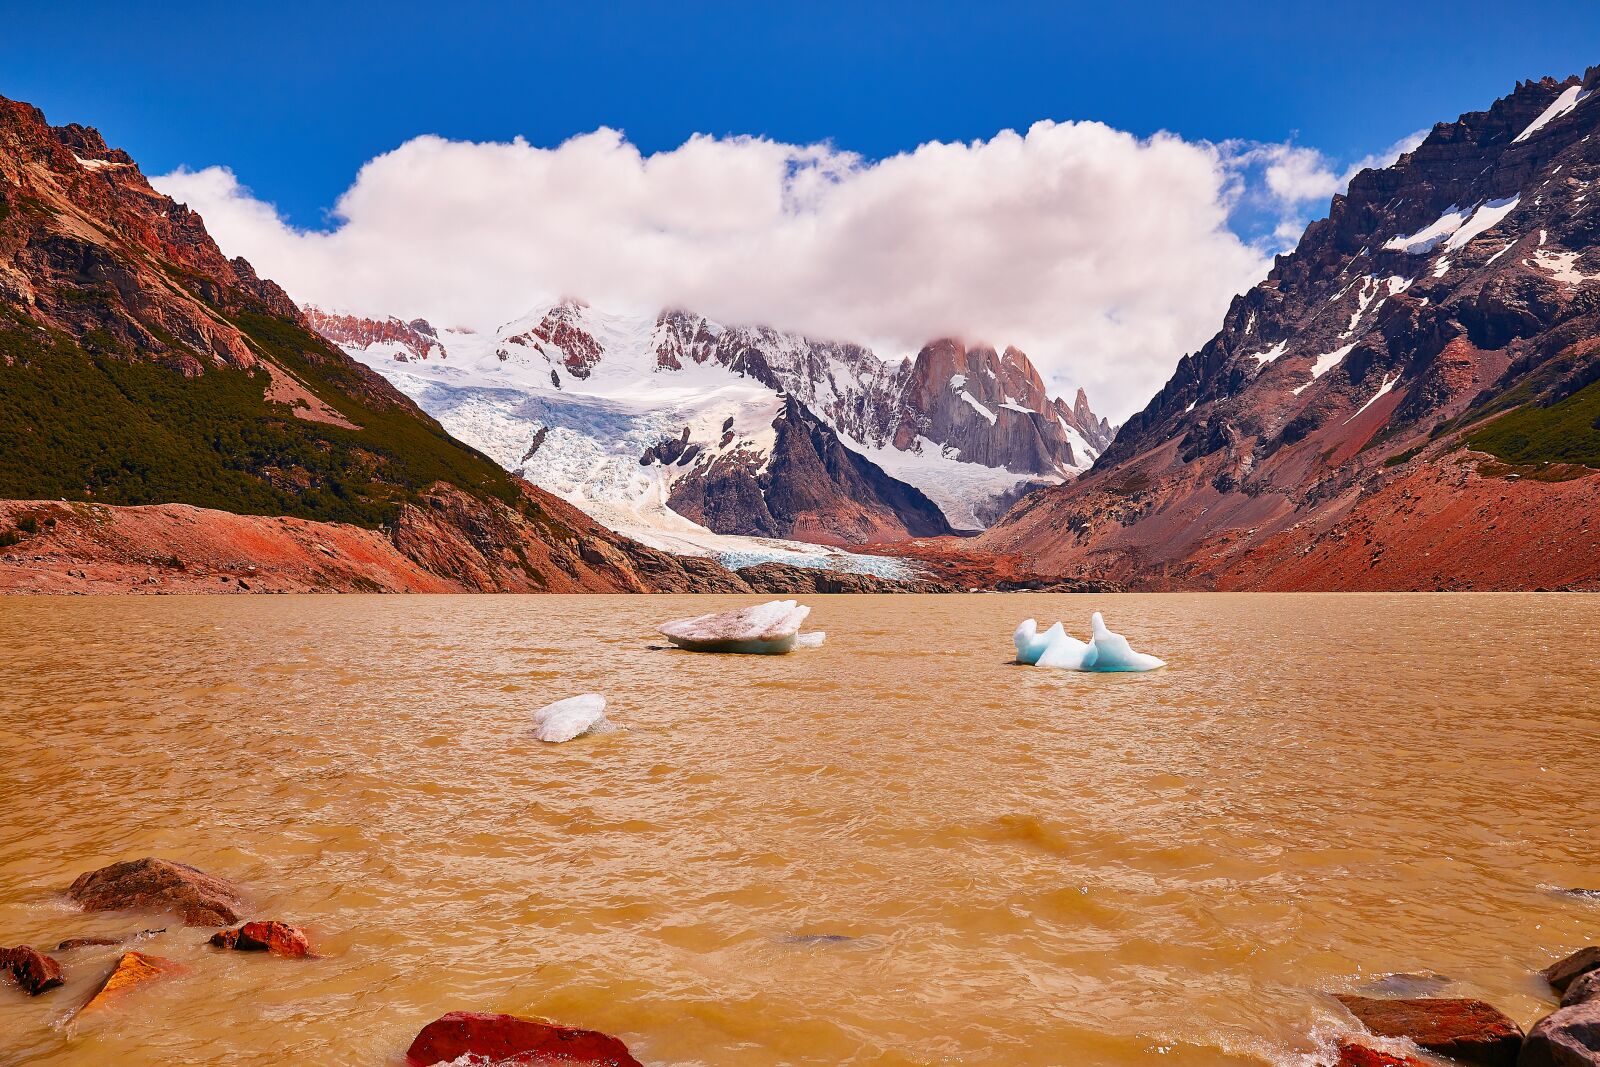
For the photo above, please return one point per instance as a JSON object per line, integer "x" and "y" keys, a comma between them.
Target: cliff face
{"x": 141, "y": 368}
{"x": 1409, "y": 399}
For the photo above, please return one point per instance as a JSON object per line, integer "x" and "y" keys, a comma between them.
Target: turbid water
{"x": 897, "y": 849}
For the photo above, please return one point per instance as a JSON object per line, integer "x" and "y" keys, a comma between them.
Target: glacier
{"x": 769, "y": 629}
{"x": 1104, "y": 652}
{"x": 572, "y": 717}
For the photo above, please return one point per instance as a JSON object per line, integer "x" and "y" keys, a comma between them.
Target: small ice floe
{"x": 572, "y": 717}
{"x": 1104, "y": 651}
{"x": 769, "y": 629}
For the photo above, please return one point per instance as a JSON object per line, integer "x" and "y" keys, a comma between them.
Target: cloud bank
{"x": 1102, "y": 255}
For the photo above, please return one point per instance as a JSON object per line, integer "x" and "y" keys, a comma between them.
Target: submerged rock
{"x": 509, "y": 1039}
{"x": 1407, "y": 984}
{"x": 1467, "y": 1030}
{"x": 131, "y": 969}
{"x": 1569, "y": 1037}
{"x": 278, "y": 938}
{"x": 769, "y": 629}
{"x": 158, "y": 885}
{"x": 34, "y": 971}
{"x": 572, "y": 717}
{"x": 1564, "y": 971}
{"x": 91, "y": 942}
{"x": 1105, "y": 651}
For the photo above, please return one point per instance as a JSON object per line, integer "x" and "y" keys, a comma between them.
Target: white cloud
{"x": 1103, "y": 256}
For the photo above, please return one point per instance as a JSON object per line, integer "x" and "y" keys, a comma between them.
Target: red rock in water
{"x": 158, "y": 885}
{"x": 509, "y": 1039}
{"x": 1566, "y": 1038}
{"x": 1467, "y": 1030}
{"x": 34, "y": 971}
{"x": 280, "y": 939}
{"x": 1362, "y": 1056}
{"x": 132, "y": 969}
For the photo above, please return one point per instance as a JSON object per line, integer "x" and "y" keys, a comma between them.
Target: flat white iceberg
{"x": 572, "y": 717}
{"x": 1105, "y": 651}
{"x": 769, "y": 629}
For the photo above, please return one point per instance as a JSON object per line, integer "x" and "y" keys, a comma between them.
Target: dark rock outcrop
{"x": 810, "y": 488}
{"x": 34, "y": 972}
{"x": 197, "y": 898}
{"x": 1582, "y": 990}
{"x": 508, "y": 1039}
{"x": 1467, "y": 1030}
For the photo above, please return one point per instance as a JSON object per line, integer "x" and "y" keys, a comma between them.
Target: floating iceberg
{"x": 572, "y": 717}
{"x": 769, "y": 629}
{"x": 1104, "y": 651}
{"x": 1031, "y": 643}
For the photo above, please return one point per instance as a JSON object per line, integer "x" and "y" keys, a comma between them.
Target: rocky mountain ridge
{"x": 1426, "y": 357}
{"x": 941, "y": 442}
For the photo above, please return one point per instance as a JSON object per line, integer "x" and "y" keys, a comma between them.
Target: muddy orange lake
{"x": 897, "y": 849}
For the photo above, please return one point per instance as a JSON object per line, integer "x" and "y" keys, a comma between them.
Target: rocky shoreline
{"x": 1442, "y": 1029}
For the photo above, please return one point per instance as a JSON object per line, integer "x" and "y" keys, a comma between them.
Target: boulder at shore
{"x": 1467, "y": 1030}
{"x": 1569, "y": 1037}
{"x": 1564, "y": 971}
{"x": 768, "y": 629}
{"x": 158, "y": 885}
{"x": 132, "y": 969}
{"x": 509, "y": 1039}
{"x": 278, "y": 938}
{"x": 1582, "y": 990}
{"x": 34, "y": 971}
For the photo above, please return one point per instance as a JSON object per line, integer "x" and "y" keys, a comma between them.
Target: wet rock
{"x": 158, "y": 885}
{"x": 1563, "y": 972}
{"x": 1581, "y": 894}
{"x": 1467, "y": 1030}
{"x": 1582, "y": 990}
{"x": 1351, "y": 1055}
{"x": 509, "y": 1039}
{"x": 1569, "y": 1037}
{"x": 34, "y": 971}
{"x": 278, "y": 938}
{"x": 131, "y": 969}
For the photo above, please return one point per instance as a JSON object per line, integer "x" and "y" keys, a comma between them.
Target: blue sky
{"x": 1105, "y": 253}
{"x": 295, "y": 99}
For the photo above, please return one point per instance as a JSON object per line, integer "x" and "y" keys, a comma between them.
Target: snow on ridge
{"x": 1430, "y": 236}
{"x": 1383, "y": 391}
{"x": 1571, "y": 98}
{"x": 1486, "y": 217}
{"x": 1324, "y": 364}
{"x": 979, "y": 408}
{"x": 1267, "y": 356}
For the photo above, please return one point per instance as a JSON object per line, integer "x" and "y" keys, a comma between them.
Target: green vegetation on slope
{"x": 82, "y": 425}
{"x": 1567, "y": 431}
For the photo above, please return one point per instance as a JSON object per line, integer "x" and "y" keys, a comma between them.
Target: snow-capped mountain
{"x": 1408, "y": 400}
{"x": 673, "y": 422}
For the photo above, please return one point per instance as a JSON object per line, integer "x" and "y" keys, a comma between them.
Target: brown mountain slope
{"x": 140, "y": 367}
{"x": 1408, "y": 401}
